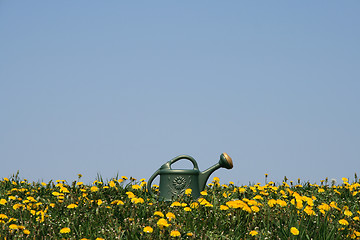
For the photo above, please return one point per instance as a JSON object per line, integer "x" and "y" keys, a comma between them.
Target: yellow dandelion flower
{"x": 26, "y": 232}
{"x": 112, "y": 184}
{"x": 130, "y": 194}
{"x": 223, "y": 207}
{"x": 170, "y": 216}
{"x": 94, "y": 189}
{"x": 345, "y": 179}
{"x": 79, "y": 183}
{"x": 3, "y": 216}
{"x": 175, "y": 233}
{"x": 175, "y": 204}
{"x": 255, "y": 208}
{"x": 99, "y": 238}
{"x": 348, "y": 213}
{"x": 162, "y": 223}
{"x": 258, "y": 197}
{"x": 13, "y": 227}
{"x": 194, "y": 205}
{"x": 343, "y": 222}
{"x": 123, "y": 177}
{"x": 187, "y": 209}
{"x": 148, "y": 229}
{"x": 72, "y": 206}
{"x": 356, "y": 218}
{"x": 272, "y": 202}
{"x": 281, "y": 203}
{"x": 294, "y": 231}
{"x": 188, "y": 191}
{"x": 135, "y": 186}
{"x": 65, "y": 230}
{"x": 204, "y": 193}
{"x": 3, "y": 201}
{"x": 242, "y": 190}
{"x": 190, "y": 234}
{"x": 158, "y": 213}
{"x": 253, "y": 233}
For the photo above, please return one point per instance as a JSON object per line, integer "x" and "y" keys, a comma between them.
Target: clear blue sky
{"x": 121, "y": 87}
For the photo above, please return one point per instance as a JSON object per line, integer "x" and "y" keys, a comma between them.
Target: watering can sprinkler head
{"x": 226, "y": 161}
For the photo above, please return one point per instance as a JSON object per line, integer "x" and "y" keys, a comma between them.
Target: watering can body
{"x": 174, "y": 182}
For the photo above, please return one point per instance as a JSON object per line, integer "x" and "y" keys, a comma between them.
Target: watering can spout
{"x": 224, "y": 162}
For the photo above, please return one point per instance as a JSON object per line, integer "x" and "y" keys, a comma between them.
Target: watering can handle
{"x": 184, "y": 157}
{"x": 150, "y": 181}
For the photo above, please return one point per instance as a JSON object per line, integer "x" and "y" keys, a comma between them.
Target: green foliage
{"x": 122, "y": 209}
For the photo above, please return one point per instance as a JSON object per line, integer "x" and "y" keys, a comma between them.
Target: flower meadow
{"x": 121, "y": 208}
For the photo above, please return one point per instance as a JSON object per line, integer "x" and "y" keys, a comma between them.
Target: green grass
{"x": 122, "y": 209}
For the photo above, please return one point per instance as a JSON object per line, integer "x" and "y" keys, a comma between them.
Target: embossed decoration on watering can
{"x": 174, "y": 182}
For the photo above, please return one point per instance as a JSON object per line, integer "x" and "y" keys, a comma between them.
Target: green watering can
{"x": 174, "y": 182}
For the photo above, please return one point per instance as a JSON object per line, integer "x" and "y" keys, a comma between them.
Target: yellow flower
{"x": 345, "y": 179}
{"x": 13, "y": 226}
{"x": 170, "y": 216}
{"x": 356, "y": 218}
{"x": 294, "y": 231}
{"x": 79, "y": 183}
{"x": 281, "y": 203}
{"x": 242, "y": 190}
{"x": 148, "y": 229}
{"x": 162, "y": 223}
{"x": 204, "y": 193}
{"x": 99, "y": 239}
{"x": 253, "y": 233}
{"x": 17, "y": 206}
{"x": 26, "y": 232}
{"x": 65, "y": 230}
{"x": 343, "y": 222}
{"x": 216, "y": 179}
{"x": 72, "y": 206}
{"x": 188, "y": 191}
{"x": 258, "y": 197}
{"x": 3, "y": 216}
{"x": 320, "y": 190}
{"x": 272, "y": 202}
{"x": 348, "y": 213}
{"x": 190, "y": 234}
{"x": 130, "y": 194}
{"x": 94, "y": 189}
{"x": 99, "y": 202}
{"x": 175, "y": 233}
{"x": 187, "y": 209}
{"x": 135, "y": 186}
{"x": 123, "y": 177}
{"x": 309, "y": 211}
{"x": 194, "y": 205}
{"x": 255, "y": 208}
{"x": 157, "y": 213}
{"x": 175, "y": 204}
{"x": 3, "y": 201}
{"x": 223, "y": 207}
